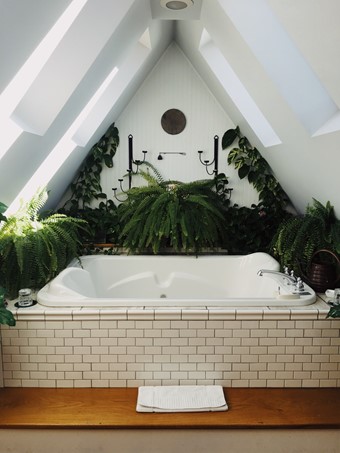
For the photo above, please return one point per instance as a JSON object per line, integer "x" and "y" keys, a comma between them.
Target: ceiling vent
{"x": 176, "y": 5}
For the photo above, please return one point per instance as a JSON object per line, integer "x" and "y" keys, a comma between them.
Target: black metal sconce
{"x": 130, "y": 170}
{"x": 132, "y": 162}
{"x": 214, "y": 162}
{"x": 115, "y": 194}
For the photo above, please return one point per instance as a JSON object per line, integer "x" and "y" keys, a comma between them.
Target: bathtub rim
{"x": 46, "y": 299}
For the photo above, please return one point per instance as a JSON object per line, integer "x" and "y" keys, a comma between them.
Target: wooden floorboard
{"x": 116, "y": 409}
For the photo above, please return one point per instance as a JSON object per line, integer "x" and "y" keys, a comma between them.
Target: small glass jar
{"x": 25, "y": 298}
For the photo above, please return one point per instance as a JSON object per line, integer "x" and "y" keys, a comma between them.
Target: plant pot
{"x": 323, "y": 276}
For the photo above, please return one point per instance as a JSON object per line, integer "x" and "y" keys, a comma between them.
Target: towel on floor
{"x": 186, "y": 398}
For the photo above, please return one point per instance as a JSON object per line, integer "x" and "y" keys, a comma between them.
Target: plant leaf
{"x": 243, "y": 171}
{"x": 228, "y": 138}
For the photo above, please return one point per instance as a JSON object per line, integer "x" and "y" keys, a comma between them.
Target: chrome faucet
{"x": 291, "y": 278}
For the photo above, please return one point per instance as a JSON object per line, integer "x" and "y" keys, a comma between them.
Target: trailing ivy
{"x": 251, "y": 229}
{"x": 251, "y": 165}
{"x": 102, "y": 220}
{"x": 87, "y": 186}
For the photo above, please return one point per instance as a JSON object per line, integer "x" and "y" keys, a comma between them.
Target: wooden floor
{"x": 116, "y": 409}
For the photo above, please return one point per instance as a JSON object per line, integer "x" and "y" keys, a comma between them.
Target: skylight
{"x": 61, "y": 151}
{"x": 295, "y": 79}
{"x": 114, "y": 91}
{"x": 10, "y": 131}
{"x": 24, "y": 78}
{"x": 237, "y": 92}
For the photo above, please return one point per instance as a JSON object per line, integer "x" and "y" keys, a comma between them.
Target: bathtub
{"x": 171, "y": 281}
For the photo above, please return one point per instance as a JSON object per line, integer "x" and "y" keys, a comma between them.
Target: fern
{"x": 32, "y": 249}
{"x": 173, "y": 214}
{"x": 158, "y": 177}
{"x": 299, "y": 237}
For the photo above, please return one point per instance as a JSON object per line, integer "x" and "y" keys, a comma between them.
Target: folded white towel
{"x": 187, "y": 398}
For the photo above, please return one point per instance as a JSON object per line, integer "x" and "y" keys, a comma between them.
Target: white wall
{"x": 306, "y": 166}
{"x": 174, "y": 83}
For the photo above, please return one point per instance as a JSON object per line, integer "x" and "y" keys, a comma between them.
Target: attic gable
{"x": 100, "y": 39}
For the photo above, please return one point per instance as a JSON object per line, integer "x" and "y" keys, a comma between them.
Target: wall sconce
{"x": 130, "y": 170}
{"x": 206, "y": 163}
{"x": 132, "y": 161}
{"x": 115, "y": 191}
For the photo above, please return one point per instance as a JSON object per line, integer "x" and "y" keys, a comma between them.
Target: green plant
{"x": 334, "y": 312}
{"x": 6, "y": 316}
{"x": 86, "y": 186}
{"x": 103, "y": 224}
{"x": 249, "y": 163}
{"x": 299, "y": 237}
{"x": 102, "y": 219}
{"x": 184, "y": 216}
{"x": 33, "y": 249}
{"x": 251, "y": 229}
{"x": 3, "y": 208}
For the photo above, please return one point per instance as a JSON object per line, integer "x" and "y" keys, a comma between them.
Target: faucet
{"x": 291, "y": 278}
{"x": 295, "y": 282}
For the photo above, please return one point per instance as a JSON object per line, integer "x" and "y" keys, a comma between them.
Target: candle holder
{"x": 214, "y": 162}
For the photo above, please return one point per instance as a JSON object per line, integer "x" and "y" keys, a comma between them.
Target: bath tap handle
{"x": 300, "y": 287}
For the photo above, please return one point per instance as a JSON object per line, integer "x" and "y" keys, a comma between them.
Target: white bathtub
{"x": 171, "y": 281}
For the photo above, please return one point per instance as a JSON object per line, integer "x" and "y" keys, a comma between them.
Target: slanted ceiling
{"x": 272, "y": 66}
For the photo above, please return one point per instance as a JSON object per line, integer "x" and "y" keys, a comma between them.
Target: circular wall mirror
{"x": 173, "y": 121}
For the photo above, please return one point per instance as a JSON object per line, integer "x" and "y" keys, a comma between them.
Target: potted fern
{"x": 301, "y": 242}
{"x": 33, "y": 248}
{"x": 170, "y": 214}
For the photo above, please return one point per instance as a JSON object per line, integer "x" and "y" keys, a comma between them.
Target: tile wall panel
{"x": 121, "y": 349}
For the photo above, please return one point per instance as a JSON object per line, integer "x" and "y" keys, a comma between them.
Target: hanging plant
{"x": 87, "y": 186}
{"x": 184, "y": 216}
{"x": 251, "y": 165}
{"x": 102, "y": 219}
{"x": 251, "y": 229}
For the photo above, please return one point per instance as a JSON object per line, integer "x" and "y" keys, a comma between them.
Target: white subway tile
{"x": 100, "y": 383}
{"x": 168, "y": 314}
{"x": 222, "y": 314}
{"x": 118, "y": 314}
{"x": 170, "y": 333}
{"x": 250, "y": 314}
{"x": 137, "y": 333}
{"x": 141, "y": 341}
{"x": 195, "y": 314}
{"x": 141, "y": 314}
{"x": 135, "y": 367}
{"x": 80, "y": 366}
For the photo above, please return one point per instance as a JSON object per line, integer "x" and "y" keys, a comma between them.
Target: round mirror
{"x": 173, "y": 121}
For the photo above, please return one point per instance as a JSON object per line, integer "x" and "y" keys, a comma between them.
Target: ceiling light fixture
{"x": 176, "y": 5}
